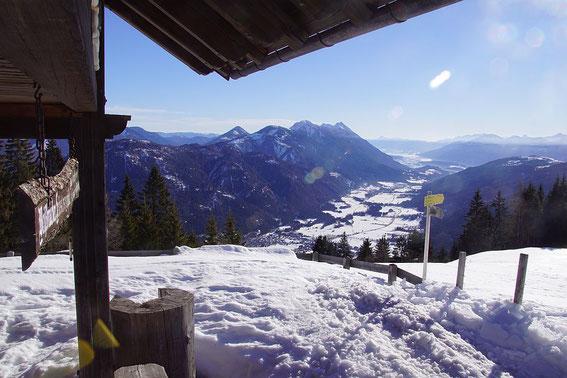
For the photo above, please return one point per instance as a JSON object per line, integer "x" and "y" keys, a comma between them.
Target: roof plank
{"x": 211, "y": 29}
{"x": 50, "y": 42}
{"x": 156, "y": 35}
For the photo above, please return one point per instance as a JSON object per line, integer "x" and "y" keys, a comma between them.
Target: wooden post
{"x": 315, "y": 256}
{"x": 521, "y": 278}
{"x": 160, "y": 331}
{"x": 461, "y": 269}
{"x": 346, "y": 262}
{"x": 90, "y": 258}
{"x": 392, "y": 273}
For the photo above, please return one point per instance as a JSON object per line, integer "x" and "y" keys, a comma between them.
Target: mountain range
{"x": 266, "y": 178}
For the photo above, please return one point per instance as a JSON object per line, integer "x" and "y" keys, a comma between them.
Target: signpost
{"x": 429, "y": 202}
{"x": 41, "y": 217}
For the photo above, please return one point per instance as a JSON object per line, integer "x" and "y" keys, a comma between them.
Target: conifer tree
{"x": 6, "y": 205}
{"x": 127, "y": 209}
{"x": 211, "y": 233}
{"x": 168, "y": 226}
{"x": 555, "y": 215}
{"x": 400, "y": 254}
{"x": 415, "y": 242}
{"x": 477, "y": 229}
{"x": 19, "y": 161}
{"x": 193, "y": 240}
{"x": 526, "y": 221}
{"x": 382, "y": 250}
{"x": 147, "y": 234}
{"x": 320, "y": 244}
{"x": 173, "y": 231}
{"x": 54, "y": 159}
{"x": 499, "y": 238}
{"x": 365, "y": 251}
{"x": 231, "y": 234}
{"x": 18, "y": 167}
{"x": 343, "y": 247}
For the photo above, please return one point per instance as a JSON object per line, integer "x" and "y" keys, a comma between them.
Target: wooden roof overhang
{"x": 48, "y": 43}
{"x": 238, "y": 37}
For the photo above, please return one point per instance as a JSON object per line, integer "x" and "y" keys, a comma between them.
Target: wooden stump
{"x": 160, "y": 331}
{"x": 141, "y": 371}
{"x": 392, "y": 274}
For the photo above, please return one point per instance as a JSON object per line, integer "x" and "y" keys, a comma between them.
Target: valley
{"x": 370, "y": 211}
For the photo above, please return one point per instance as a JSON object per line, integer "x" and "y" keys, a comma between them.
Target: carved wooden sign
{"x": 40, "y": 218}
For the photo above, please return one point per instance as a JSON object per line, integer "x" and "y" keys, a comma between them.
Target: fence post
{"x": 521, "y": 278}
{"x": 315, "y": 256}
{"x": 461, "y": 269}
{"x": 346, "y": 262}
{"x": 160, "y": 331}
{"x": 392, "y": 273}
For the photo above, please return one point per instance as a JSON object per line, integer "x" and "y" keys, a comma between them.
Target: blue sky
{"x": 504, "y": 63}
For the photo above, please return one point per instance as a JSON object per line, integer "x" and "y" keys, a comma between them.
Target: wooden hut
{"x": 59, "y": 45}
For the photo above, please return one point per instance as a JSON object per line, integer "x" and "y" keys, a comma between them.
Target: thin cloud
{"x": 440, "y": 79}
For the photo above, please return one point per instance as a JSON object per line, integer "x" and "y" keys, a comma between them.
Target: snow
{"x": 352, "y": 218}
{"x": 261, "y": 312}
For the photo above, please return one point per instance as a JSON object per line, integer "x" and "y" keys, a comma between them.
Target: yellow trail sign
{"x": 433, "y": 199}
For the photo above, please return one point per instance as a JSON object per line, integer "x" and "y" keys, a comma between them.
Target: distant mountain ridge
{"x": 503, "y": 174}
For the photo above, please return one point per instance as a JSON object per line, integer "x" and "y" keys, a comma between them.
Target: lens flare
{"x": 395, "y": 113}
{"x": 440, "y": 79}
{"x": 315, "y": 174}
{"x": 534, "y": 37}
{"x": 502, "y": 33}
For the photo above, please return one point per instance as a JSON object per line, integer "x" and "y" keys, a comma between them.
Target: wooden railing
{"x": 392, "y": 270}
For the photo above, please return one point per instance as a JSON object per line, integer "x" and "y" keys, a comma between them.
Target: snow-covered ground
{"x": 371, "y": 211}
{"x": 262, "y": 312}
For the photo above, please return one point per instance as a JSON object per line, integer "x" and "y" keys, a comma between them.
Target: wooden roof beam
{"x": 211, "y": 29}
{"x": 156, "y": 35}
{"x": 178, "y": 34}
{"x": 389, "y": 14}
{"x": 50, "y": 41}
{"x": 58, "y": 127}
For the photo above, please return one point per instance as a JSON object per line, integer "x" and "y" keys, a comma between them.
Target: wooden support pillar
{"x": 89, "y": 239}
{"x": 461, "y": 269}
{"x": 521, "y": 278}
{"x": 89, "y": 230}
{"x": 346, "y": 262}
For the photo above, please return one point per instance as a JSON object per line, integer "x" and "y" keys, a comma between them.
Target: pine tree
{"x": 343, "y": 247}
{"x": 18, "y": 167}
{"x": 476, "y": 235}
{"x": 365, "y": 251}
{"x": 231, "y": 234}
{"x": 527, "y": 218}
{"x": 127, "y": 209}
{"x": 19, "y": 161}
{"x": 54, "y": 159}
{"x": 6, "y": 204}
{"x": 400, "y": 254}
{"x": 499, "y": 238}
{"x": 320, "y": 244}
{"x": 211, "y": 233}
{"x": 414, "y": 246}
{"x": 168, "y": 226}
{"x": 554, "y": 220}
{"x": 193, "y": 240}
{"x": 146, "y": 227}
{"x": 382, "y": 250}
